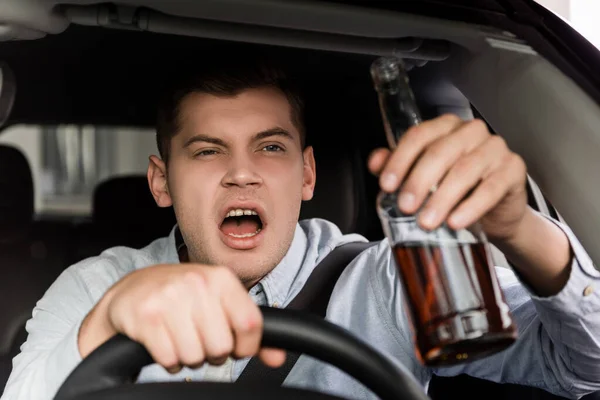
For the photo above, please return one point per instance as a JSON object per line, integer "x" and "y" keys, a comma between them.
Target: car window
{"x": 580, "y": 14}
{"x": 68, "y": 161}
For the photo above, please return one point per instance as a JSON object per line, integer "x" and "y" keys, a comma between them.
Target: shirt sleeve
{"x": 558, "y": 348}
{"x": 51, "y": 351}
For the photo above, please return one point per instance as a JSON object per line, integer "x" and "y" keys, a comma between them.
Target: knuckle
{"x": 498, "y": 142}
{"x": 250, "y": 320}
{"x": 518, "y": 164}
{"x": 255, "y": 318}
{"x": 413, "y": 135}
{"x": 172, "y": 290}
{"x": 478, "y": 125}
{"x": 494, "y": 186}
{"x": 150, "y": 311}
{"x": 436, "y": 151}
{"x": 463, "y": 166}
{"x": 451, "y": 118}
{"x": 517, "y": 161}
{"x": 194, "y": 279}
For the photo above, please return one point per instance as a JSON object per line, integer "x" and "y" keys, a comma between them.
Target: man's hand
{"x": 477, "y": 177}
{"x": 184, "y": 315}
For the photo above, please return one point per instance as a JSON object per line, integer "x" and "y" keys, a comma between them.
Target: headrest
{"x": 127, "y": 202}
{"x": 16, "y": 186}
{"x": 339, "y": 190}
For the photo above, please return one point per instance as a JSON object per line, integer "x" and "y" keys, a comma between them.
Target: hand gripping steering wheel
{"x": 111, "y": 370}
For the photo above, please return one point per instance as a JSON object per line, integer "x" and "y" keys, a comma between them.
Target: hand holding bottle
{"x": 435, "y": 169}
{"x": 457, "y": 157}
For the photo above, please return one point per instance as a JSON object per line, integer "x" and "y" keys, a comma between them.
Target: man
{"x": 234, "y": 166}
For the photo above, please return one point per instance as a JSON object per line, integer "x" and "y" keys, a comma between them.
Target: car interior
{"x": 85, "y": 64}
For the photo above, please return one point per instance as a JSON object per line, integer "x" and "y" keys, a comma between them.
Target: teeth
{"x": 239, "y": 212}
{"x": 246, "y": 235}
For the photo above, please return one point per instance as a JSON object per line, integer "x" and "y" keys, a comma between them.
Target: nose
{"x": 242, "y": 173}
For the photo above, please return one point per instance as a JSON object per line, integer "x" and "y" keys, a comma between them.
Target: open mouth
{"x": 241, "y": 223}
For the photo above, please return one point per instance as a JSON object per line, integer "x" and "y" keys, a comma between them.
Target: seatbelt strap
{"x": 313, "y": 297}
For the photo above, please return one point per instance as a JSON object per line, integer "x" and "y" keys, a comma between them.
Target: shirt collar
{"x": 171, "y": 256}
{"x": 273, "y": 289}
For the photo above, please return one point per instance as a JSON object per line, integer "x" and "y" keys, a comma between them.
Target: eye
{"x": 272, "y": 148}
{"x": 205, "y": 153}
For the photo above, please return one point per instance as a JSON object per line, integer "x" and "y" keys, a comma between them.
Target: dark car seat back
{"x": 125, "y": 203}
{"x": 32, "y": 254}
{"x": 339, "y": 190}
{"x": 124, "y": 214}
{"x": 16, "y": 202}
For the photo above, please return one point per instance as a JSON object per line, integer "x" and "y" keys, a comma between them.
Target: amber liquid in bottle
{"x": 447, "y": 333}
{"x": 456, "y": 307}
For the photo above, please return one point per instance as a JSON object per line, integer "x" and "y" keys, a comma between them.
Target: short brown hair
{"x": 224, "y": 79}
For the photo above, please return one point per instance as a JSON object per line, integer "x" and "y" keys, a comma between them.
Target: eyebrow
{"x": 277, "y": 131}
{"x": 273, "y": 132}
{"x": 205, "y": 139}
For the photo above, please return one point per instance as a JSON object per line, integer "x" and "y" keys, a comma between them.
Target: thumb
{"x": 273, "y": 358}
{"x": 377, "y": 160}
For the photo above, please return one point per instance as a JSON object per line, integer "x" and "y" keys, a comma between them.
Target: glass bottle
{"x": 457, "y": 310}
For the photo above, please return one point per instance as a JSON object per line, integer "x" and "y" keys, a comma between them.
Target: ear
{"x": 310, "y": 174}
{"x": 157, "y": 180}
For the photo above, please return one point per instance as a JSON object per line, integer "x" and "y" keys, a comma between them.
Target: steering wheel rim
{"x": 118, "y": 361}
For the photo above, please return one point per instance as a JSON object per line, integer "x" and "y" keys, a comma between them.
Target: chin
{"x": 249, "y": 272}
{"x": 250, "y": 265}
{"x": 246, "y": 262}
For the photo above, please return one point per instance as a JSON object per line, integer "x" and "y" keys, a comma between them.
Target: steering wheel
{"x": 110, "y": 371}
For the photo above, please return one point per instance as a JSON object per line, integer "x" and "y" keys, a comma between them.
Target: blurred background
{"x": 580, "y": 14}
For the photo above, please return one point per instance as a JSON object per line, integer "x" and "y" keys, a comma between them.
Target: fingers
{"x": 212, "y": 325}
{"x": 489, "y": 193}
{"x": 184, "y": 334}
{"x": 464, "y": 174}
{"x": 243, "y": 317}
{"x": 410, "y": 147}
{"x": 246, "y": 323}
{"x": 439, "y": 157}
{"x": 186, "y": 316}
{"x": 160, "y": 345}
{"x": 456, "y": 158}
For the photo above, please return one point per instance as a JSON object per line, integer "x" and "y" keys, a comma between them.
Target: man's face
{"x": 236, "y": 155}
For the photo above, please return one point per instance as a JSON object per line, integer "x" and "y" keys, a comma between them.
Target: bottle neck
{"x": 399, "y": 112}
{"x": 396, "y": 100}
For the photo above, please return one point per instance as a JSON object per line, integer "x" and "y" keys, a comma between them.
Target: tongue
{"x": 239, "y": 226}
